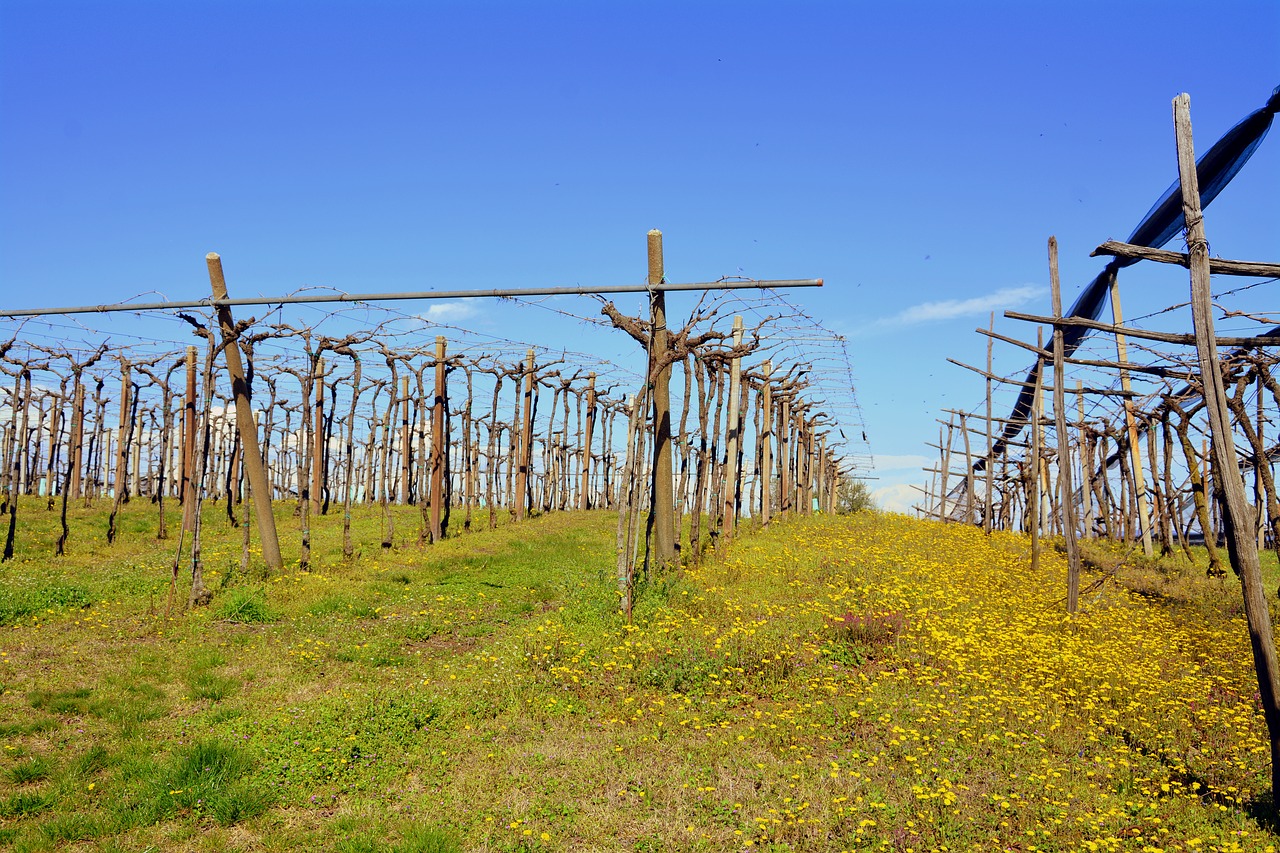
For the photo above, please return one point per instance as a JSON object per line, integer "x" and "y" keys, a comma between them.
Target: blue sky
{"x": 916, "y": 156}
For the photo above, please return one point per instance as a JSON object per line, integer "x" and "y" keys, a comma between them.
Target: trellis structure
{"x": 459, "y": 427}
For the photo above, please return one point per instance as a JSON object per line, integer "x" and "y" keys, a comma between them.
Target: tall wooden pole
{"x": 584, "y": 491}
{"x": 1241, "y": 542}
{"x": 945, "y": 451}
{"x": 75, "y": 441}
{"x": 525, "y": 451}
{"x": 766, "y": 445}
{"x": 784, "y": 457}
{"x": 1086, "y": 465}
{"x": 1033, "y": 508}
{"x": 406, "y": 446}
{"x": 664, "y": 504}
{"x": 1135, "y": 454}
{"x": 968, "y": 471}
{"x": 732, "y": 436}
{"x": 1064, "y": 442}
{"x": 439, "y": 444}
{"x": 254, "y": 467}
{"x": 991, "y": 462}
{"x": 189, "y": 444}
{"x": 317, "y": 437}
{"x": 122, "y": 450}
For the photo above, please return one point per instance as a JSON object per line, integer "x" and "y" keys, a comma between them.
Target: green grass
{"x": 32, "y": 770}
{"x": 483, "y": 694}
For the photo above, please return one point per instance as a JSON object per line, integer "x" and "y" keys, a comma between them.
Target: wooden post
{"x": 664, "y": 523}
{"x": 626, "y": 509}
{"x": 1086, "y": 465}
{"x": 968, "y": 472}
{"x": 317, "y": 437}
{"x": 121, "y": 491}
{"x": 732, "y": 436}
{"x": 406, "y": 446}
{"x": 784, "y": 457}
{"x": 520, "y": 500}
{"x": 75, "y": 441}
{"x": 189, "y": 441}
{"x": 945, "y": 451}
{"x": 766, "y": 445}
{"x": 259, "y": 486}
{"x": 439, "y": 442}
{"x": 1064, "y": 442}
{"x": 1259, "y": 488}
{"x": 991, "y": 462}
{"x": 1135, "y": 453}
{"x": 1033, "y": 508}
{"x": 584, "y": 491}
{"x": 1241, "y": 542}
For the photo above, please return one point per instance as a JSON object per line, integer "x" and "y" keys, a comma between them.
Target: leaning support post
{"x": 1064, "y": 441}
{"x": 1241, "y": 543}
{"x": 254, "y": 466}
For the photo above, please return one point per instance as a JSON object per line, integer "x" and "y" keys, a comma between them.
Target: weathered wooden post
{"x": 406, "y": 445}
{"x": 784, "y": 457}
{"x": 987, "y": 521}
{"x": 520, "y": 500}
{"x": 1135, "y": 451}
{"x": 439, "y": 444}
{"x": 944, "y": 450}
{"x": 1241, "y": 543}
{"x": 1064, "y": 442}
{"x": 254, "y": 467}
{"x": 732, "y": 436}
{"x": 317, "y": 436}
{"x": 766, "y": 445}
{"x": 75, "y": 441}
{"x": 1086, "y": 464}
{"x": 664, "y": 523}
{"x": 189, "y": 442}
{"x": 1033, "y": 496}
{"x": 584, "y": 492}
{"x": 119, "y": 489}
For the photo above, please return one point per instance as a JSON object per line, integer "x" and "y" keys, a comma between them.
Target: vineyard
{"x": 354, "y": 578}
{"x": 831, "y": 682}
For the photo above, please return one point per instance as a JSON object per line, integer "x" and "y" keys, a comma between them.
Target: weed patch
{"x": 32, "y": 770}
{"x": 247, "y": 607}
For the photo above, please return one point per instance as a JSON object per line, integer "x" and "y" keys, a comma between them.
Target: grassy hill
{"x": 868, "y": 682}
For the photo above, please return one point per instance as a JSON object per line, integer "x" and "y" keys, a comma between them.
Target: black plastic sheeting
{"x": 1214, "y": 170}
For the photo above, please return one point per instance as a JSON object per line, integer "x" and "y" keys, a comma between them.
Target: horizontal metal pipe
{"x": 498, "y": 293}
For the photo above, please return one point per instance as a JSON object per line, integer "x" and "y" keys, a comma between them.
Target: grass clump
{"x": 208, "y": 778}
{"x": 26, "y": 803}
{"x": 32, "y": 770}
{"x": 246, "y": 607}
{"x": 17, "y": 604}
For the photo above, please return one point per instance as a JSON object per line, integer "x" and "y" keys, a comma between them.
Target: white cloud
{"x": 450, "y": 312}
{"x": 897, "y": 498}
{"x": 899, "y": 463}
{"x": 950, "y": 309}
